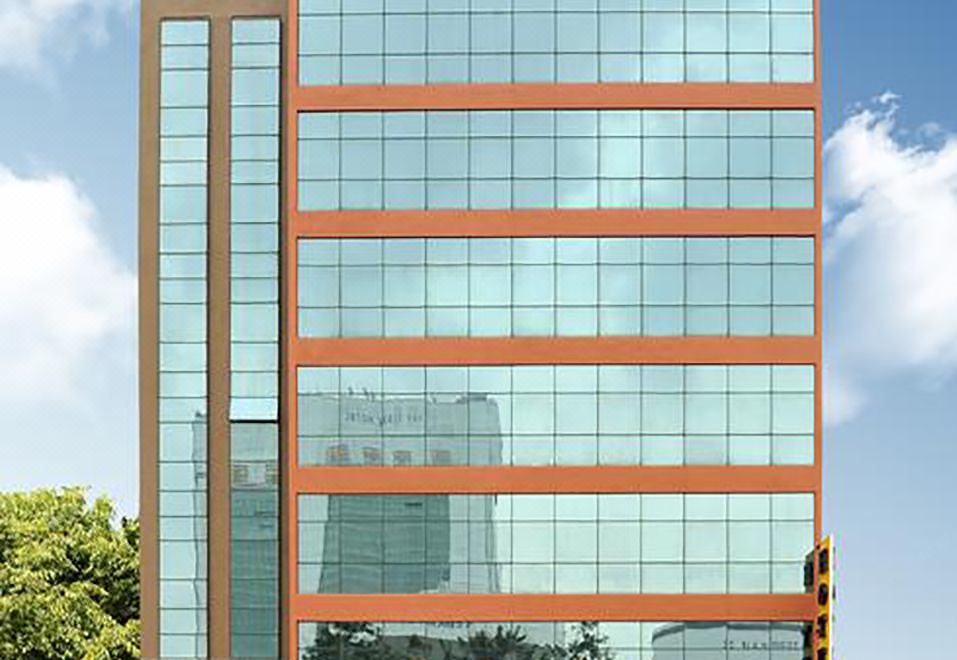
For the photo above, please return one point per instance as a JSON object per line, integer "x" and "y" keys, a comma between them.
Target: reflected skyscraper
{"x": 399, "y": 430}
{"x": 413, "y": 544}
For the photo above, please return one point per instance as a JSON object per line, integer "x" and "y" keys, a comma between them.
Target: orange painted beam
{"x": 558, "y": 222}
{"x": 558, "y": 607}
{"x": 554, "y": 350}
{"x": 549, "y": 96}
{"x": 534, "y": 479}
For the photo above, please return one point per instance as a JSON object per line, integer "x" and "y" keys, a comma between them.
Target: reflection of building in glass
{"x": 365, "y": 430}
{"x": 458, "y": 634}
{"x": 409, "y": 544}
{"x": 757, "y": 640}
{"x": 590, "y": 640}
{"x": 199, "y": 429}
{"x": 443, "y": 641}
{"x": 254, "y": 528}
{"x": 209, "y": 264}
{"x": 417, "y": 545}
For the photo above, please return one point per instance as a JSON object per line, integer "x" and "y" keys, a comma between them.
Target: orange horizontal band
{"x": 554, "y": 350}
{"x": 526, "y": 479}
{"x": 558, "y": 222}
{"x": 556, "y": 96}
{"x": 564, "y": 607}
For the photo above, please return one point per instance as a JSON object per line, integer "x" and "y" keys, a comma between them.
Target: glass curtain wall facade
{"x": 609, "y": 543}
{"x": 479, "y": 327}
{"x": 557, "y": 415}
{"x": 183, "y": 402}
{"x": 542, "y": 41}
{"x": 628, "y": 640}
{"x": 210, "y": 210}
{"x": 443, "y": 287}
{"x": 254, "y": 337}
{"x": 555, "y": 346}
{"x": 562, "y": 159}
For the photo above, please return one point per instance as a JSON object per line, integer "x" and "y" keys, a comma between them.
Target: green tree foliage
{"x": 69, "y": 578}
{"x": 589, "y": 643}
{"x": 505, "y": 644}
{"x": 357, "y": 641}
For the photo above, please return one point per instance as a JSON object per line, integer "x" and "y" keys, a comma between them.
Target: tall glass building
{"x": 479, "y": 328}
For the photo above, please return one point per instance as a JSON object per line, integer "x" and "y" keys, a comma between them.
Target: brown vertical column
{"x": 218, "y": 329}
{"x": 220, "y": 15}
{"x": 149, "y": 329}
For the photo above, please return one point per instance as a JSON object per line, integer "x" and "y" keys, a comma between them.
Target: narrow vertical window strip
{"x": 254, "y": 337}
{"x": 182, "y": 439}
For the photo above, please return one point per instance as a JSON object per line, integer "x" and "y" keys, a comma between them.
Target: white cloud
{"x": 891, "y": 255}
{"x": 63, "y": 293}
{"x": 32, "y": 31}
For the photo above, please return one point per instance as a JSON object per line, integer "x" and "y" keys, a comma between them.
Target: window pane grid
{"x": 566, "y": 415}
{"x": 182, "y": 440}
{"x": 738, "y": 286}
{"x": 254, "y": 347}
{"x": 563, "y": 159}
{"x": 255, "y": 219}
{"x": 353, "y": 44}
{"x": 622, "y": 640}
{"x": 583, "y": 543}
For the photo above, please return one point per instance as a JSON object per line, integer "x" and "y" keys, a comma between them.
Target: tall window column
{"x": 254, "y": 347}
{"x": 183, "y": 388}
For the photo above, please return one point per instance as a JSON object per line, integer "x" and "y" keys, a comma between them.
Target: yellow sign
{"x": 819, "y": 579}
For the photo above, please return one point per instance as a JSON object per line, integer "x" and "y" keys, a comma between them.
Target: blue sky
{"x": 67, "y": 179}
